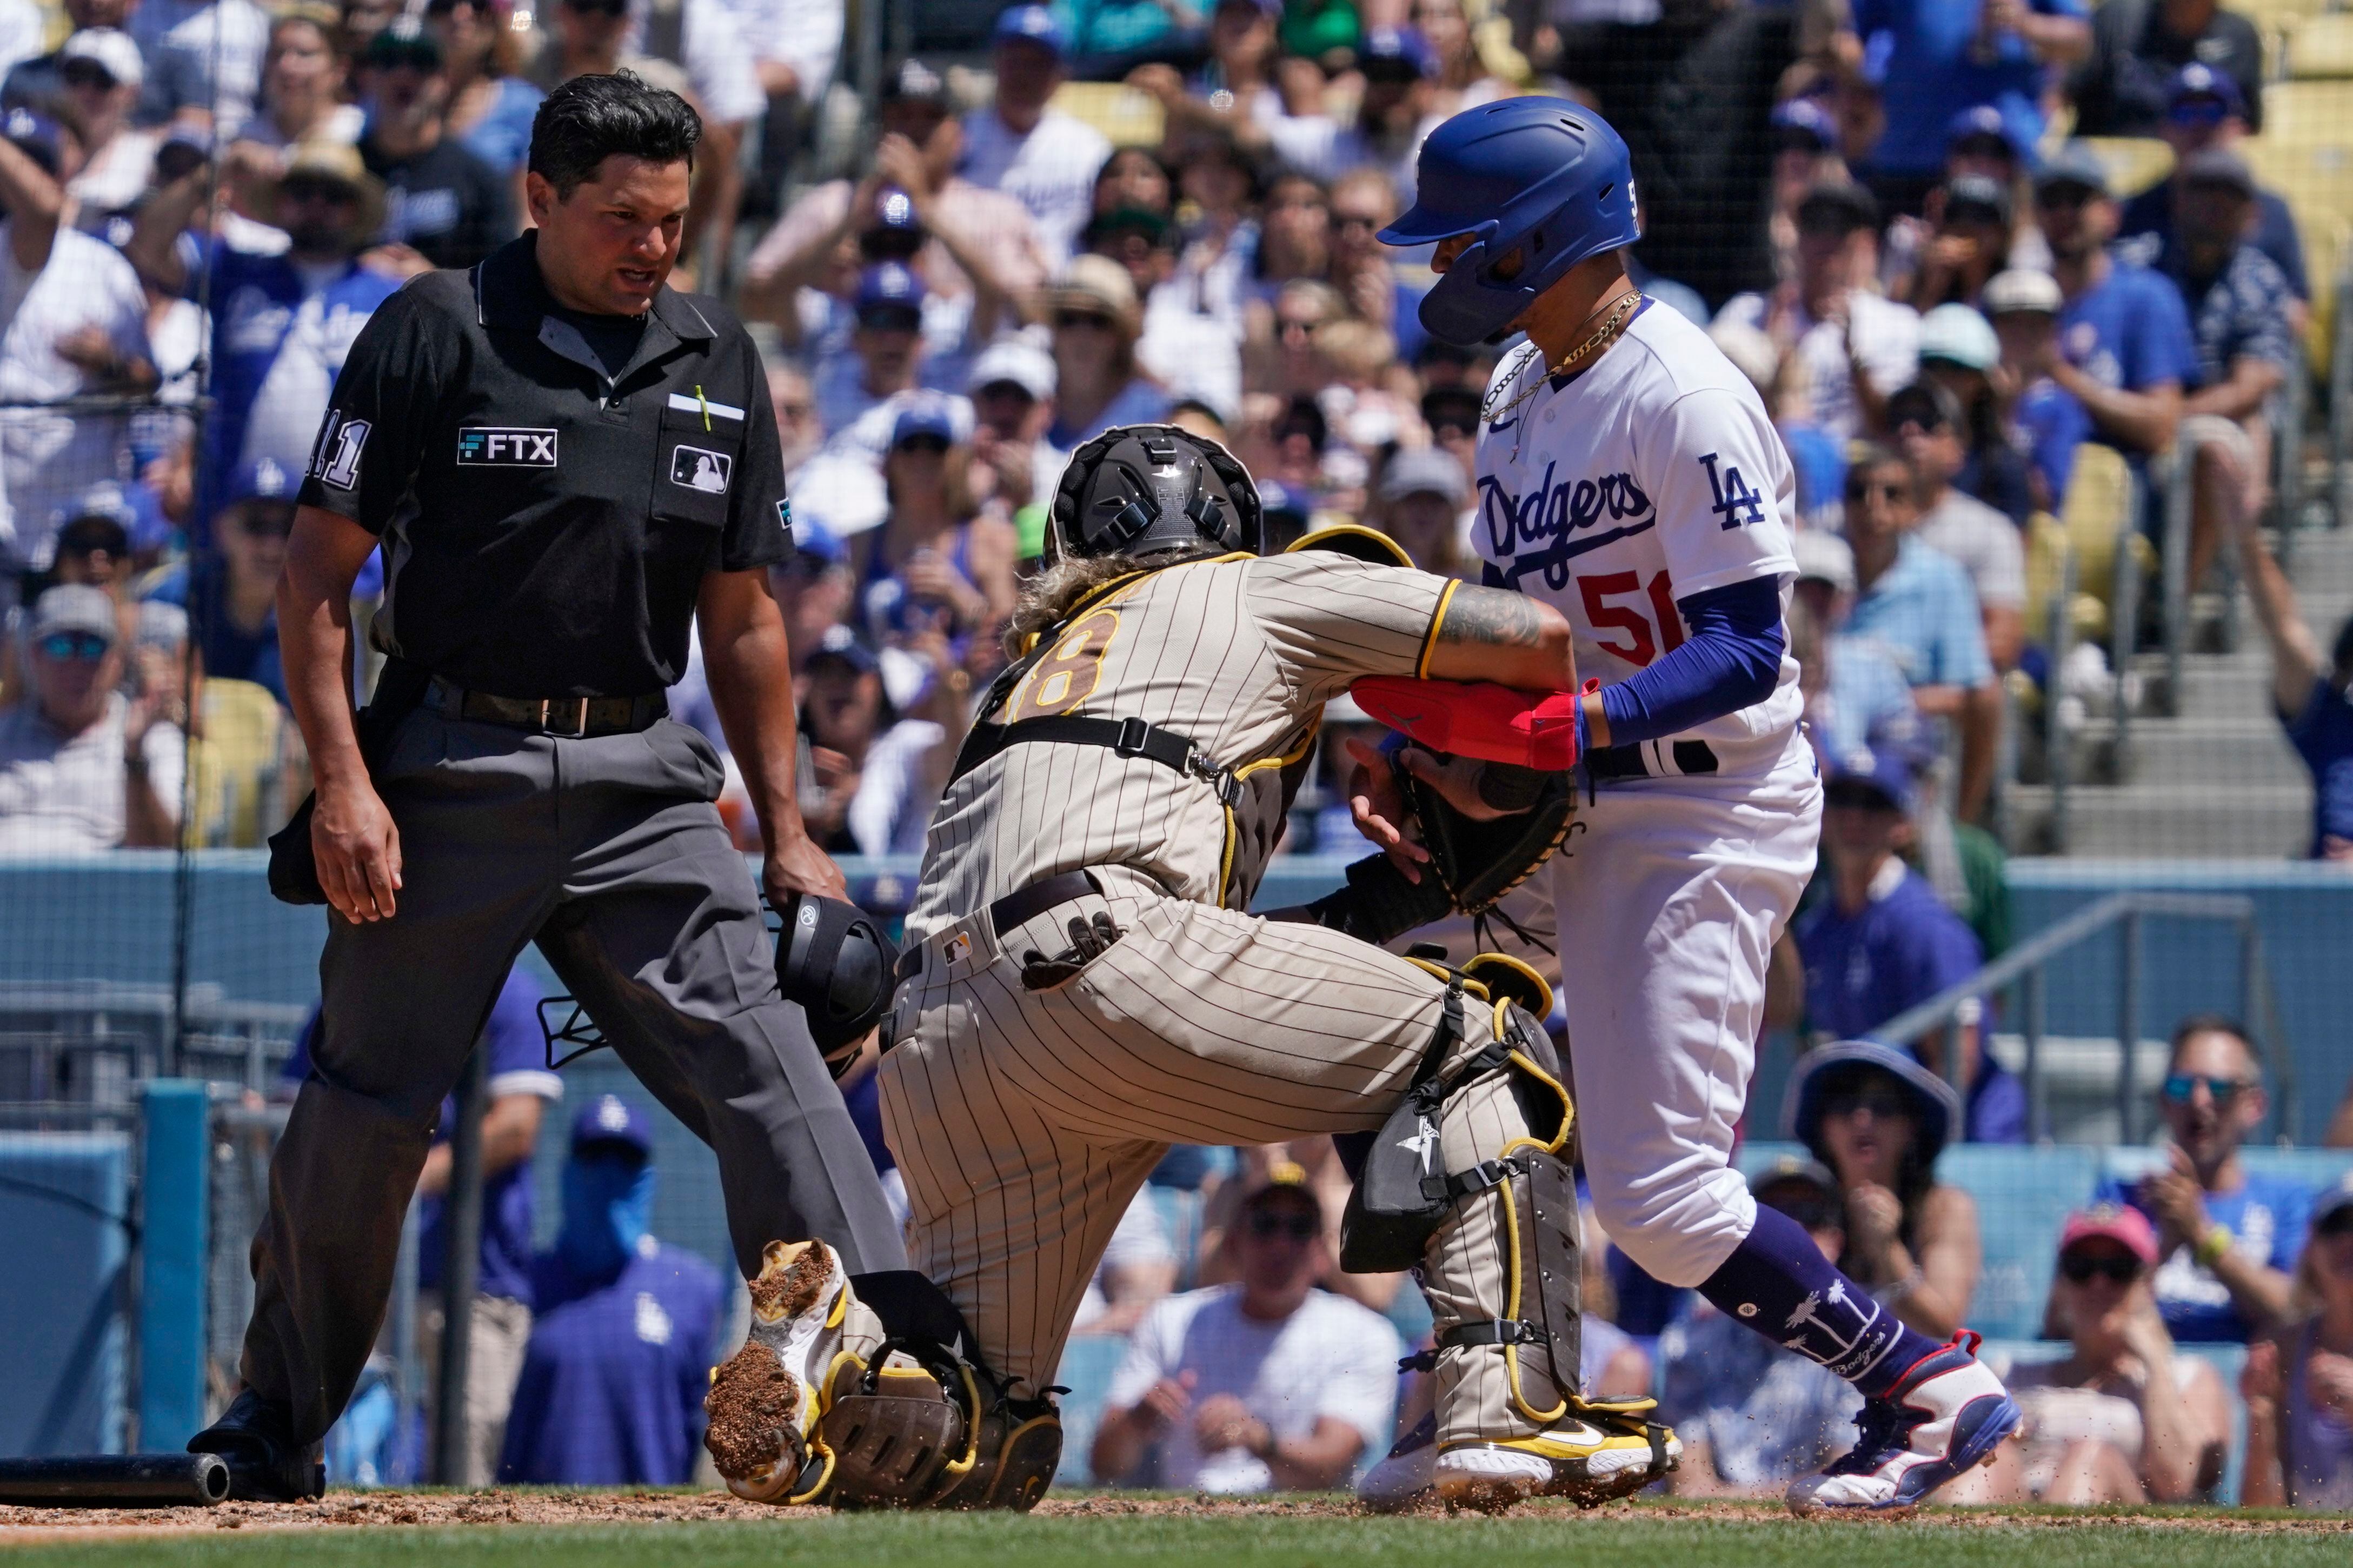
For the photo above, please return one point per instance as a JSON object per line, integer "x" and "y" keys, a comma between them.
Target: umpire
{"x": 563, "y": 460}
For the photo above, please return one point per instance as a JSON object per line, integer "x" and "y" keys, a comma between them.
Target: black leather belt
{"x": 1607, "y": 762}
{"x": 1012, "y": 910}
{"x": 567, "y": 716}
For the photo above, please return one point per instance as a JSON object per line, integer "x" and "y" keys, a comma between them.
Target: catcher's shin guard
{"x": 765, "y": 1403}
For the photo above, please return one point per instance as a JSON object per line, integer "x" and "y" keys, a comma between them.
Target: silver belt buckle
{"x": 580, "y": 719}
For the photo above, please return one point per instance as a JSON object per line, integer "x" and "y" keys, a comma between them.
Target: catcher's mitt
{"x": 1478, "y": 862}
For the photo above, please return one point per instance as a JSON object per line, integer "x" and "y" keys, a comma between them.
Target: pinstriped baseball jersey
{"x": 1238, "y": 655}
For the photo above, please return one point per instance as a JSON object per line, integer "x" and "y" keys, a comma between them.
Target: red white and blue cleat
{"x": 1946, "y": 1414}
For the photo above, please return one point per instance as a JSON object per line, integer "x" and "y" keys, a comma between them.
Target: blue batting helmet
{"x": 1542, "y": 177}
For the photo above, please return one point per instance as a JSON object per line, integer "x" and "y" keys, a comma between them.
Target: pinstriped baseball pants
{"x": 1025, "y": 1122}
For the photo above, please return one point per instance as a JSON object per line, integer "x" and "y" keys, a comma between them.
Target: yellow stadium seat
{"x": 2308, "y": 112}
{"x": 1125, "y": 117}
{"x": 2046, "y": 557}
{"x": 235, "y": 764}
{"x": 2097, "y": 515}
{"x": 2133, "y": 163}
{"x": 2317, "y": 178}
{"x": 2321, "y": 48}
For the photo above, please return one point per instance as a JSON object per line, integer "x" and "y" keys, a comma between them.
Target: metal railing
{"x": 2024, "y": 967}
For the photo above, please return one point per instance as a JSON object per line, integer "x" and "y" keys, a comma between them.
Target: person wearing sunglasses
{"x": 2227, "y": 1236}
{"x": 2204, "y": 111}
{"x": 1878, "y": 1119}
{"x": 2298, "y": 1381}
{"x": 1098, "y": 382}
{"x": 100, "y": 72}
{"x": 1910, "y": 597}
{"x": 1263, "y": 1384}
{"x": 2120, "y": 1419}
{"x": 82, "y": 767}
{"x": 230, "y": 591}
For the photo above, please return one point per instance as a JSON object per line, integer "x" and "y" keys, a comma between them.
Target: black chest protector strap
{"x": 1127, "y": 737}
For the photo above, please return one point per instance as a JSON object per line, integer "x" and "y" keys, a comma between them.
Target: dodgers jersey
{"x": 1653, "y": 475}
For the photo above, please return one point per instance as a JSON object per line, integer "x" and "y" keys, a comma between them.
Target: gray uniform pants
{"x": 608, "y": 853}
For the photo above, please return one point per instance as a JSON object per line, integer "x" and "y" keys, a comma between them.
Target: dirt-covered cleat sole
{"x": 764, "y": 1403}
{"x": 1406, "y": 1476}
{"x": 1587, "y": 1463}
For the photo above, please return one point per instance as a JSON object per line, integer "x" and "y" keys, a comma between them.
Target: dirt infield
{"x": 379, "y": 1509}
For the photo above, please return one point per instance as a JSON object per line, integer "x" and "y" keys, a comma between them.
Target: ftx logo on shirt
{"x": 481, "y": 446}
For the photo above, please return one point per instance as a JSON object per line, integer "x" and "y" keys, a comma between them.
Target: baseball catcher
{"x": 1081, "y": 989}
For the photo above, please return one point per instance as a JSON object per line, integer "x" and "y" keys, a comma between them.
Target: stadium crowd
{"x": 1951, "y": 309}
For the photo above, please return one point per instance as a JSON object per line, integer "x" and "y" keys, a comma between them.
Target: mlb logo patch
{"x": 958, "y": 947}
{"x": 505, "y": 446}
{"x": 699, "y": 468}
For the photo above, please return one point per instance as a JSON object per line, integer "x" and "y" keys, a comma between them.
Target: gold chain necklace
{"x": 1489, "y": 412}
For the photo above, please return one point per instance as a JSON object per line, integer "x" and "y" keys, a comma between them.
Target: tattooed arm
{"x": 1494, "y": 634}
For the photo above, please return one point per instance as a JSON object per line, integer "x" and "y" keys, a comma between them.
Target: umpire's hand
{"x": 358, "y": 850}
{"x": 795, "y": 865}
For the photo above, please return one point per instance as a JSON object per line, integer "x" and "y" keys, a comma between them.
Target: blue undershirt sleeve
{"x": 1731, "y": 660}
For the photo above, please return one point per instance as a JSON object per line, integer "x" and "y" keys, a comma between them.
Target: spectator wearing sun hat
{"x": 1960, "y": 353}
{"x": 2045, "y": 422}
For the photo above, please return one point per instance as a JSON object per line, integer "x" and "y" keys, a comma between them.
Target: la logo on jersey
{"x": 1737, "y": 503}
{"x": 1561, "y": 519}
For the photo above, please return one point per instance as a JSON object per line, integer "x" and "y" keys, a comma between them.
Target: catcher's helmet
{"x": 1143, "y": 489}
{"x": 1541, "y": 177}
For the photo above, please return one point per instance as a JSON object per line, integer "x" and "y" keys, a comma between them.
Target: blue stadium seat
{"x": 1088, "y": 1363}
{"x": 2023, "y": 1196}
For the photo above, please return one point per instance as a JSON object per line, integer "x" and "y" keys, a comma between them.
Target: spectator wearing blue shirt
{"x": 621, "y": 1343}
{"x": 2239, "y": 306}
{"x": 2313, "y": 698}
{"x": 2123, "y": 349}
{"x": 2138, "y": 45}
{"x": 230, "y": 591}
{"x": 2228, "y": 1237}
{"x": 2204, "y": 111}
{"x": 521, "y": 1086}
{"x": 1941, "y": 58}
{"x": 1882, "y": 942}
{"x": 1856, "y": 699}
{"x": 281, "y": 325}
{"x": 2044, "y": 420}
{"x": 1916, "y": 603}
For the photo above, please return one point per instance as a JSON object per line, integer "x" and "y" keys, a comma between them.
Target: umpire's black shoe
{"x": 265, "y": 1463}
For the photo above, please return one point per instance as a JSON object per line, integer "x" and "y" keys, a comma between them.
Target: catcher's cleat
{"x": 1946, "y": 1414}
{"x": 764, "y": 1404}
{"x": 256, "y": 1439}
{"x": 1597, "y": 1453}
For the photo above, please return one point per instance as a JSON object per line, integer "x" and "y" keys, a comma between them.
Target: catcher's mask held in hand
{"x": 834, "y": 961}
{"x": 1143, "y": 489}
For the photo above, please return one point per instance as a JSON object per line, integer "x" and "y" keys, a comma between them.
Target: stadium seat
{"x": 2133, "y": 163}
{"x": 2096, "y": 513}
{"x": 2046, "y": 562}
{"x": 2308, "y": 112}
{"x": 1088, "y": 1362}
{"x": 1125, "y": 117}
{"x": 2278, "y": 13}
{"x": 2023, "y": 1196}
{"x": 2316, "y": 178}
{"x": 1180, "y": 1221}
{"x": 237, "y": 764}
{"x": 2321, "y": 48}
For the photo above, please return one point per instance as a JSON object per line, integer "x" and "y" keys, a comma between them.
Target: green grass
{"x": 1643, "y": 1538}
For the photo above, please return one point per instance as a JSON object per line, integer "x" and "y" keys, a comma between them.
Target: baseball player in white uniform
{"x": 1630, "y": 478}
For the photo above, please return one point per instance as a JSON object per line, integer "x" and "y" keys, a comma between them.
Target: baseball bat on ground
{"x": 115, "y": 1480}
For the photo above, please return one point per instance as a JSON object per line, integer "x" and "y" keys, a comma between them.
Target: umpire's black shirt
{"x": 545, "y": 525}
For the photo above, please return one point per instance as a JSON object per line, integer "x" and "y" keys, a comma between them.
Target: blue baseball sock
{"x": 1778, "y": 1283}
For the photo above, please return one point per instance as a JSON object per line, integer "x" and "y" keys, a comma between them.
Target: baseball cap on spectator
{"x": 95, "y": 533}
{"x": 1873, "y": 777}
{"x": 1959, "y": 335}
{"x": 73, "y": 607}
{"x": 610, "y": 1120}
{"x": 2332, "y": 1201}
{"x": 104, "y": 500}
{"x": 110, "y": 49}
{"x": 37, "y": 136}
{"x": 1425, "y": 470}
{"x": 1935, "y": 1107}
{"x": 843, "y": 646}
{"x": 925, "y": 418}
{"x": 914, "y": 79}
{"x": 1013, "y": 362}
{"x": 840, "y": 493}
{"x": 2074, "y": 166}
{"x": 1837, "y": 207}
{"x": 262, "y": 478}
{"x": 405, "y": 42}
{"x": 1454, "y": 406}
{"x": 1097, "y": 285}
{"x": 1103, "y": 227}
{"x": 1397, "y": 54}
{"x": 2218, "y": 166}
{"x": 2021, "y": 290}
{"x": 1283, "y": 1180}
{"x": 2200, "y": 94}
{"x": 889, "y": 298}
{"x": 1973, "y": 127}
{"x": 1975, "y": 198}
{"x": 1824, "y": 557}
{"x": 2127, "y": 1227}
{"x": 1925, "y": 403}
{"x": 896, "y": 232}
{"x": 159, "y": 624}
{"x": 1035, "y": 25}
{"x": 1803, "y": 1189}
{"x": 1803, "y": 125}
